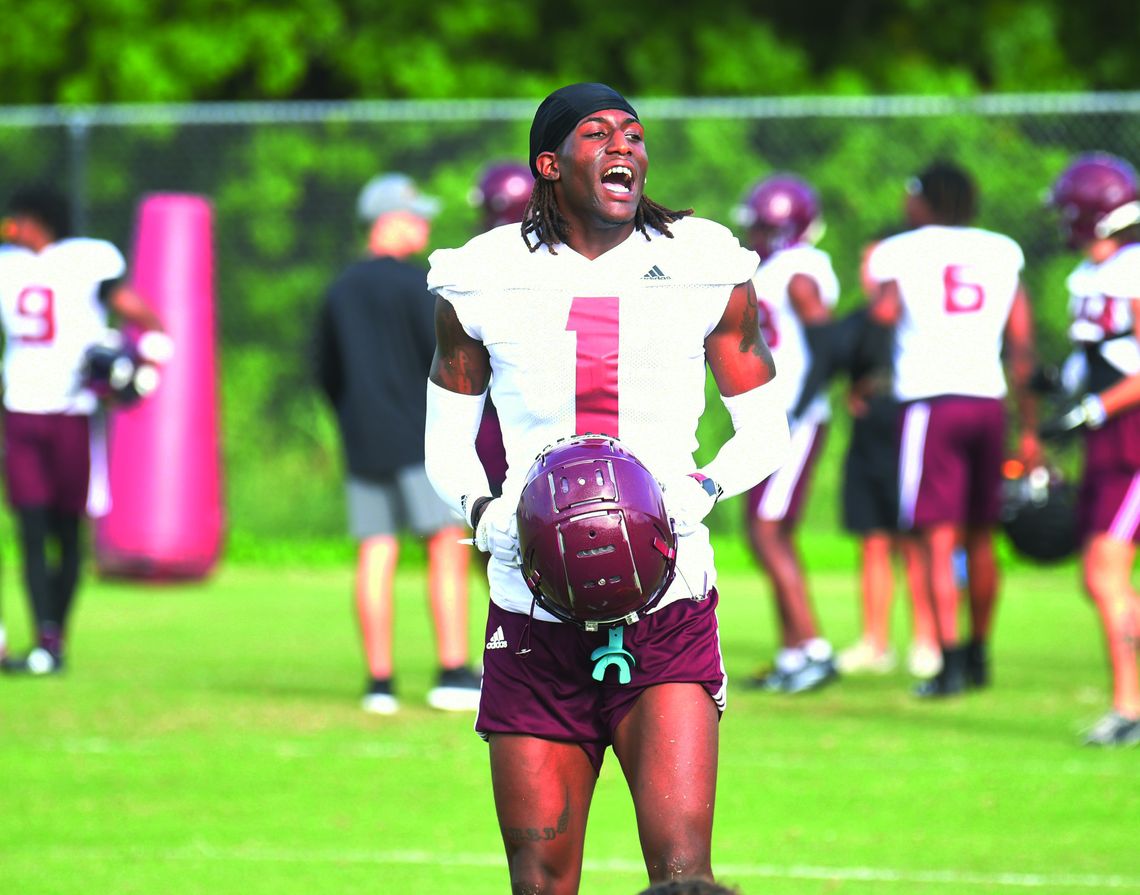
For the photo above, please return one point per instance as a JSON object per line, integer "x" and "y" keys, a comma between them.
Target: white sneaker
{"x": 456, "y": 690}
{"x": 862, "y": 658}
{"x": 924, "y": 661}
{"x": 379, "y": 699}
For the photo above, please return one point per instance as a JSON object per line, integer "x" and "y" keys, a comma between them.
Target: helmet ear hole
{"x": 596, "y": 542}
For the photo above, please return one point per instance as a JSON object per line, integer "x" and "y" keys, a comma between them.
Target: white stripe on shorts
{"x": 916, "y": 419}
{"x": 1124, "y": 523}
{"x": 777, "y": 496}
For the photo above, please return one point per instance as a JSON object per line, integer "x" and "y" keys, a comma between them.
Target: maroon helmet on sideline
{"x": 597, "y": 544}
{"x": 1096, "y": 196}
{"x": 502, "y": 193}
{"x": 780, "y": 211}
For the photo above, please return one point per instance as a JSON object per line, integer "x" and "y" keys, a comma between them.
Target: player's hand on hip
{"x": 688, "y": 500}
{"x": 497, "y": 532}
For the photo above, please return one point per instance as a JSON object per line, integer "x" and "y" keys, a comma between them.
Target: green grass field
{"x": 206, "y": 738}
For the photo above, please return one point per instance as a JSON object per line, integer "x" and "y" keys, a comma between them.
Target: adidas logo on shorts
{"x": 497, "y": 641}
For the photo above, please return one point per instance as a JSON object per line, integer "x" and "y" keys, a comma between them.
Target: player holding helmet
{"x": 953, "y": 293}
{"x": 599, "y": 318}
{"x": 1099, "y": 205}
{"x": 796, "y": 289}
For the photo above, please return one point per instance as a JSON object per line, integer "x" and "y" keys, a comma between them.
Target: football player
{"x": 953, "y": 292}
{"x": 56, "y": 294}
{"x": 1098, "y": 200}
{"x": 870, "y": 511}
{"x": 599, "y": 316}
{"x": 501, "y": 195}
{"x": 796, "y": 290}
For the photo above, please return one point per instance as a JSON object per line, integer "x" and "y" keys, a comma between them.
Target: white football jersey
{"x": 957, "y": 286}
{"x": 1100, "y": 306}
{"x": 51, "y": 314}
{"x": 614, "y": 346}
{"x": 781, "y": 326}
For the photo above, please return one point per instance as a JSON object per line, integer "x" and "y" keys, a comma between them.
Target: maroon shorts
{"x": 47, "y": 460}
{"x": 782, "y": 494}
{"x": 550, "y": 692}
{"x": 1109, "y": 497}
{"x": 950, "y": 455}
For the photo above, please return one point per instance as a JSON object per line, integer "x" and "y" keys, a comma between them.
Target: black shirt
{"x": 374, "y": 344}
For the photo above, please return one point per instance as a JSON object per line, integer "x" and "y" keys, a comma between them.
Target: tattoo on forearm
{"x": 518, "y": 835}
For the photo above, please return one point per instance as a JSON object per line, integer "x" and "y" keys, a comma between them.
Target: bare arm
{"x": 1021, "y": 359}
{"x": 886, "y": 303}
{"x": 461, "y": 363}
{"x": 806, "y": 300}
{"x": 129, "y": 305}
{"x": 735, "y": 350}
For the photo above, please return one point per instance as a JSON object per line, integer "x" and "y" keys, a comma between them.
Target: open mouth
{"x": 618, "y": 179}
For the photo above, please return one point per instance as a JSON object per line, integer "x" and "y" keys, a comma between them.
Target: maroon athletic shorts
{"x": 950, "y": 457}
{"x": 1109, "y": 497}
{"x": 47, "y": 460}
{"x": 782, "y": 494}
{"x": 550, "y": 692}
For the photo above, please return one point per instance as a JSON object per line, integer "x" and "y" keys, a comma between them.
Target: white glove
{"x": 688, "y": 501}
{"x": 155, "y": 346}
{"x": 497, "y": 532}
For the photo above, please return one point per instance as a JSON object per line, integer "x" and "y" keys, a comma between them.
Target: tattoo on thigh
{"x": 519, "y": 835}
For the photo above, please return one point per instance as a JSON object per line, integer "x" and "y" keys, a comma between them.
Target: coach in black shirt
{"x": 374, "y": 344}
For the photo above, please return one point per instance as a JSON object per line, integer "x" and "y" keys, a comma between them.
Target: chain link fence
{"x": 283, "y": 180}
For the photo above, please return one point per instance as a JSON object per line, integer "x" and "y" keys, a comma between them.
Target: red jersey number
{"x": 963, "y": 296}
{"x": 35, "y": 305}
{"x": 595, "y": 321}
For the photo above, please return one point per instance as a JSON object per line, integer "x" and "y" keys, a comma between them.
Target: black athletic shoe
{"x": 977, "y": 668}
{"x": 37, "y": 663}
{"x": 950, "y": 681}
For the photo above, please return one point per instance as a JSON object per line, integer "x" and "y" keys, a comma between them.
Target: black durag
{"x": 560, "y": 113}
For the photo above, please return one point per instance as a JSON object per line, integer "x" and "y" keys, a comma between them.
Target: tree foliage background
{"x": 283, "y": 192}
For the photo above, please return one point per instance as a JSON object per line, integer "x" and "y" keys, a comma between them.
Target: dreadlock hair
{"x": 950, "y": 193}
{"x": 544, "y": 220}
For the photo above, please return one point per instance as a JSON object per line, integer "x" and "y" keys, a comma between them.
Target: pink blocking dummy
{"x": 165, "y": 519}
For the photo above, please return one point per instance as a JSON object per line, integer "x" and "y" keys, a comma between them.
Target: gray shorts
{"x": 405, "y": 501}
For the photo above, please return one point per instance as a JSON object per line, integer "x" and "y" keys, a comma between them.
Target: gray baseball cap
{"x": 394, "y": 192}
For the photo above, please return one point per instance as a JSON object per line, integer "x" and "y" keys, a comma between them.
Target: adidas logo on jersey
{"x": 655, "y": 273}
{"x": 497, "y": 641}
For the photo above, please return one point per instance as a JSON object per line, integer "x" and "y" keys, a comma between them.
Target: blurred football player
{"x": 1098, "y": 201}
{"x": 953, "y": 292}
{"x": 871, "y": 511}
{"x": 374, "y": 344}
{"x": 796, "y": 290}
{"x": 57, "y": 293}
{"x": 501, "y": 196}
{"x": 599, "y": 315}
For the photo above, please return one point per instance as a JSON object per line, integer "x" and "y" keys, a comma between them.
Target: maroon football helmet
{"x": 1096, "y": 196}
{"x": 503, "y": 192}
{"x": 780, "y": 211}
{"x": 596, "y": 542}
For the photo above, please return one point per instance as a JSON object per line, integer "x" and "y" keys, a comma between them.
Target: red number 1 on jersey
{"x": 595, "y": 321}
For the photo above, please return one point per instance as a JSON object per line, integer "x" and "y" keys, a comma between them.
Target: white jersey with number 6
{"x": 612, "y": 346}
{"x": 957, "y": 285}
{"x": 52, "y": 313}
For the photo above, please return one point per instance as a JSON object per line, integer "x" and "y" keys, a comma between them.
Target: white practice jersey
{"x": 1100, "y": 307}
{"x": 51, "y": 313}
{"x": 957, "y": 286}
{"x": 613, "y": 346}
{"x": 781, "y": 325}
